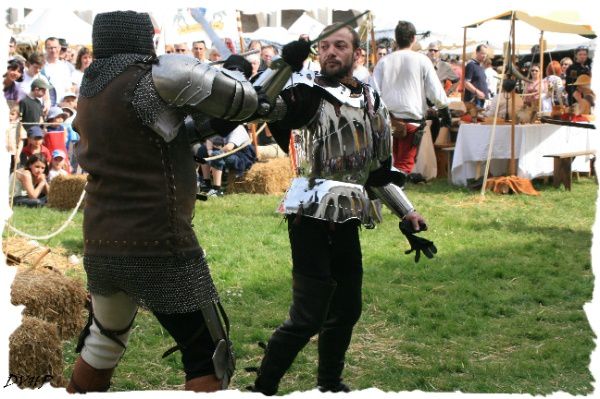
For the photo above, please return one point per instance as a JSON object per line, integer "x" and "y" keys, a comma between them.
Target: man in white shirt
{"x": 57, "y": 71}
{"x": 406, "y": 80}
{"x": 238, "y": 162}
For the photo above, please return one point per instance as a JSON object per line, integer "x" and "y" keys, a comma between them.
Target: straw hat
{"x": 582, "y": 80}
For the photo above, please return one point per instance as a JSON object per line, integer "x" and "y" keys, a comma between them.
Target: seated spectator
{"x": 56, "y": 134}
{"x": 583, "y": 95}
{"x": 30, "y": 185}
{"x": 12, "y": 77}
{"x": 238, "y": 162}
{"x": 35, "y": 136}
{"x": 57, "y": 165}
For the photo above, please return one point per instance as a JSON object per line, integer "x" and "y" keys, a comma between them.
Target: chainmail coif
{"x": 122, "y": 32}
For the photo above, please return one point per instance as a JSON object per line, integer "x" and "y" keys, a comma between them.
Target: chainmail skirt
{"x": 160, "y": 284}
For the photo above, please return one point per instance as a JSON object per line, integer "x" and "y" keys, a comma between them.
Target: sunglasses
{"x": 180, "y": 50}
{"x": 433, "y": 50}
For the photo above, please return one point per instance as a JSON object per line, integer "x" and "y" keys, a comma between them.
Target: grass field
{"x": 498, "y": 310}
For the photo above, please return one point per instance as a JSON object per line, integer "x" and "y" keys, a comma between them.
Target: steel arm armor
{"x": 184, "y": 81}
{"x": 394, "y": 198}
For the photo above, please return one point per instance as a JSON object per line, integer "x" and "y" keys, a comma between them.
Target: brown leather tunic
{"x": 141, "y": 190}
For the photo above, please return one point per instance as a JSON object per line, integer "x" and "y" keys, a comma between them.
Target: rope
{"x": 60, "y": 229}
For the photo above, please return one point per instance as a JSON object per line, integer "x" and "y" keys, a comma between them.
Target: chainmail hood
{"x": 120, "y": 32}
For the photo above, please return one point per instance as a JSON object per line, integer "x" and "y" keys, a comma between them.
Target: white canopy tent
{"x": 59, "y": 23}
{"x": 272, "y": 34}
{"x": 306, "y": 25}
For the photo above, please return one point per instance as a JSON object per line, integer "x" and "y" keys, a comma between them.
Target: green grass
{"x": 498, "y": 310}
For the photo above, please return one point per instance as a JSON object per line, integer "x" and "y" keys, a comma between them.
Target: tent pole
{"x": 512, "y": 164}
{"x": 238, "y": 16}
{"x": 541, "y": 73}
{"x": 464, "y": 58}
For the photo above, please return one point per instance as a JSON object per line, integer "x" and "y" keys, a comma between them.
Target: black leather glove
{"x": 445, "y": 117}
{"x": 294, "y": 53}
{"x": 236, "y": 62}
{"x": 417, "y": 244}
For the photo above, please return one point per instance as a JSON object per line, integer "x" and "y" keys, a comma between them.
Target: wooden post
{"x": 541, "y": 73}
{"x": 239, "y": 28}
{"x": 254, "y": 138}
{"x": 464, "y": 58}
{"x": 512, "y": 165}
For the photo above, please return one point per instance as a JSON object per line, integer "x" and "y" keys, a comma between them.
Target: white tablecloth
{"x": 532, "y": 142}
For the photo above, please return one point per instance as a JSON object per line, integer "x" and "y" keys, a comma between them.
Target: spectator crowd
{"x": 41, "y": 87}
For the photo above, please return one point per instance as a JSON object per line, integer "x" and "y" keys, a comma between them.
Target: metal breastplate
{"x": 334, "y": 155}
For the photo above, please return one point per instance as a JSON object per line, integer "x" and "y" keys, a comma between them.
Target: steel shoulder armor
{"x": 184, "y": 81}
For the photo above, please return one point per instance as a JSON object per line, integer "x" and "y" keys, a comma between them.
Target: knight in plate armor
{"x": 139, "y": 245}
{"x": 341, "y": 151}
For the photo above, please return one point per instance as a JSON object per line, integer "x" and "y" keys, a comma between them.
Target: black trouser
{"x": 327, "y": 280}
{"x": 30, "y": 202}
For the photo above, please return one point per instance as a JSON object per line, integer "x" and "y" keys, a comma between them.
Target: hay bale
{"x": 28, "y": 252}
{"x": 52, "y": 297}
{"x": 270, "y": 177}
{"x": 65, "y": 191}
{"x": 35, "y": 354}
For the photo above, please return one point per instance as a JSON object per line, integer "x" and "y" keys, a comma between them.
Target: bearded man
{"x": 342, "y": 156}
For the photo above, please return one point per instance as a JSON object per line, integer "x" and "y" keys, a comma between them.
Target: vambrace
{"x": 184, "y": 81}
{"x": 394, "y": 198}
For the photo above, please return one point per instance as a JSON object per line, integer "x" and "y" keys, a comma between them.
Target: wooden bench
{"x": 562, "y": 166}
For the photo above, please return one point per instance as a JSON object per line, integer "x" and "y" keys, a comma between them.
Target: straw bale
{"x": 270, "y": 177}
{"x": 65, "y": 191}
{"x": 35, "y": 355}
{"x": 29, "y": 251}
{"x": 50, "y": 296}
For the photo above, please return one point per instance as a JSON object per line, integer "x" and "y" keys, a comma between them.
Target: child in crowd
{"x": 35, "y": 136}
{"x": 72, "y": 136}
{"x": 15, "y": 134}
{"x": 30, "y": 185}
{"x": 57, "y": 165}
{"x": 56, "y": 135}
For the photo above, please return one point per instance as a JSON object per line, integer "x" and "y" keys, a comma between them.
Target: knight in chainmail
{"x": 341, "y": 152}
{"x": 139, "y": 245}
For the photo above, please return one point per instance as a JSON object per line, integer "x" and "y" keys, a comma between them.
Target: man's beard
{"x": 341, "y": 71}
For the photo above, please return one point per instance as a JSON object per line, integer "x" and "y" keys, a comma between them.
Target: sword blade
{"x": 329, "y": 32}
